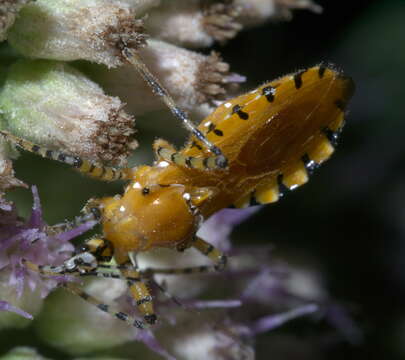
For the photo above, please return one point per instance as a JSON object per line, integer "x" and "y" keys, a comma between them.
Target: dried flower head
{"x": 194, "y": 23}
{"x": 220, "y": 20}
{"x": 140, "y": 7}
{"x": 191, "y": 78}
{"x": 256, "y": 12}
{"x": 285, "y": 7}
{"x": 94, "y": 30}
{"x": 51, "y": 103}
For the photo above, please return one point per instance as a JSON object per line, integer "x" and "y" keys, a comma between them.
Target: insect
{"x": 251, "y": 150}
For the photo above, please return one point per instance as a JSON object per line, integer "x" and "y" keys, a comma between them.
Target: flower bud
{"x": 284, "y": 7}
{"x": 8, "y": 11}
{"x": 194, "y": 23}
{"x": 141, "y": 6}
{"x": 256, "y": 12}
{"x": 52, "y": 104}
{"x": 23, "y": 353}
{"x": 94, "y": 30}
{"x": 191, "y": 78}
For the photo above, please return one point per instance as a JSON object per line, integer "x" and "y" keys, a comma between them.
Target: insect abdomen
{"x": 299, "y": 136}
{"x": 276, "y": 135}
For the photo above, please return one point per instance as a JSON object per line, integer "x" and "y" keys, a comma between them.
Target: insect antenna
{"x": 134, "y": 59}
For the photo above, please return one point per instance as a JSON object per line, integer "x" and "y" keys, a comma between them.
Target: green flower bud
{"x": 194, "y": 23}
{"x": 22, "y": 353}
{"x": 94, "y": 30}
{"x": 191, "y": 78}
{"x": 52, "y": 104}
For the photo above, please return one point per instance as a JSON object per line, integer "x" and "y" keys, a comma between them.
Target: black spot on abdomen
{"x": 298, "y": 79}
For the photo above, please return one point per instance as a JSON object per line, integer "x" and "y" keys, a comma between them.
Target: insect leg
{"x": 130, "y": 320}
{"x": 167, "y": 152}
{"x": 85, "y": 264}
{"x": 203, "y": 247}
{"x": 133, "y": 58}
{"x": 84, "y": 166}
{"x": 86, "y": 260}
{"x": 90, "y": 213}
{"x": 114, "y": 272}
{"x": 138, "y": 289}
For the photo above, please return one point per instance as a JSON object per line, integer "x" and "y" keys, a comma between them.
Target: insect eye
{"x": 145, "y": 191}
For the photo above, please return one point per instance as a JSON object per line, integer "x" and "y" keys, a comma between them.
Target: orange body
{"x": 273, "y": 137}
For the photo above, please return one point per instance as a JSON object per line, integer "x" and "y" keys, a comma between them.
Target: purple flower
{"x": 149, "y": 339}
{"x": 31, "y": 240}
{"x": 217, "y": 229}
{"x": 5, "y": 306}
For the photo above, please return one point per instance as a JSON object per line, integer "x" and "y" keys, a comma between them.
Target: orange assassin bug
{"x": 251, "y": 150}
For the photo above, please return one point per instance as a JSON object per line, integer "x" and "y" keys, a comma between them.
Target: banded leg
{"x": 53, "y": 271}
{"x": 167, "y": 152}
{"x": 86, "y": 264}
{"x": 84, "y": 166}
{"x": 204, "y": 248}
{"x": 87, "y": 260}
{"x": 133, "y": 58}
{"x": 138, "y": 289}
{"x": 90, "y": 214}
{"x": 114, "y": 272}
{"x": 99, "y": 247}
{"x": 82, "y": 271}
{"x": 130, "y": 320}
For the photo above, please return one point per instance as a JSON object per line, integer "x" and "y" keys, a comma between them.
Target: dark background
{"x": 349, "y": 220}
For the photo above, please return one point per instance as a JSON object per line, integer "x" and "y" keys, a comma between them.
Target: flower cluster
{"x": 30, "y": 240}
